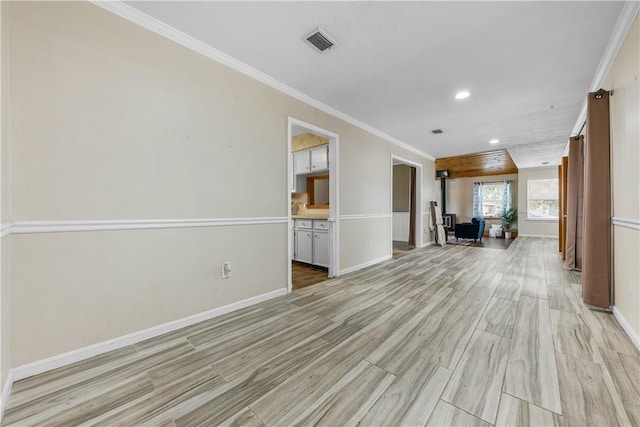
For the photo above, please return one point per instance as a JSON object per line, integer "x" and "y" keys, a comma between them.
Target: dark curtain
{"x": 575, "y": 187}
{"x": 596, "y": 266}
{"x": 412, "y": 207}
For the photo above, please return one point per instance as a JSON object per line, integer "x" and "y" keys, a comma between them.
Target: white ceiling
{"x": 398, "y": 65}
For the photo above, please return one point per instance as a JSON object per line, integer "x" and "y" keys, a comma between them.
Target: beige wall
{"x": 625, "y": 160}
{"x": 460, "y": 196}
{"x": 401, "y": 188}
{"x": 531, "y": 227}
{"x": 111, "y": 121}
{"x": 5, "y": 248}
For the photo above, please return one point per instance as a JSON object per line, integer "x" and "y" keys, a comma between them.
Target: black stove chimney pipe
{"x": 443, "y": 174}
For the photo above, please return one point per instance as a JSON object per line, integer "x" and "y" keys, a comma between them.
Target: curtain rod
{"x": 600, "y": 92}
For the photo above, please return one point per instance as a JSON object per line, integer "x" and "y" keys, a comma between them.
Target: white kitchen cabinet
{"x": 320, "y": 158}
{"x": 304, "y": 245}
{"x": 311, "y": 241}
{"x": 311, "y": 160}
{"x": 302, "y": 162}
{"x": 321, "y": 248}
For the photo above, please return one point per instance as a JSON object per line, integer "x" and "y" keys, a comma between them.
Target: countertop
{"x": 310, "y": 216}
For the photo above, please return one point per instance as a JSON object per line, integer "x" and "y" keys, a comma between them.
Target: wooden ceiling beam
{"x": 496, "y": 162}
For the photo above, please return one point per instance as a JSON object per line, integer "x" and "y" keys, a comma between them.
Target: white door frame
{"x": 334, "y": 223}
{"x": 419, "y": 206}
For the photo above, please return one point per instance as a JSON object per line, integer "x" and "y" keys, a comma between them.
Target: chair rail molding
{"x": 28, "y": 227}
{"x": 5, "y": 229}
{"x": 364, "y": 216}
{"x": 633, "y": 224}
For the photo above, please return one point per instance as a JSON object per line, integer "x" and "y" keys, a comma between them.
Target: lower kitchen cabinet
{"x": 321, "y": 248}
{"x": 311, "y": 242}
{"x": 304, "y": 245}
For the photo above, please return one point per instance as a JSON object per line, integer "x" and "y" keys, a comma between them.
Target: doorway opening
{"x": 312, "y": 197}
{"x": 406, "y": 205}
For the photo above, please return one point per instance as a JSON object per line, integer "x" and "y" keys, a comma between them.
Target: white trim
{"x": 27, "y": 227}
{"x": 74, "y": 356}
{"x": 137, "y": 17}
{"x": 364, "y": 216}
{"x": 537, "y": 235}
{"x": 291, "y": 187}
{"x": 635, "y": 338}
{"x": 334, "y": 196}
{"x": 5, "y": 229}
{"x": 6, "y": 390}
{"x": 620, "y": 30}
{"x": 419, "y": 198}
{"x": 633, "y": 224}
{"x": 365, "y": 264}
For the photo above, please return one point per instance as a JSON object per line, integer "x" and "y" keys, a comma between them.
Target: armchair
{"x": 470, "y": 230}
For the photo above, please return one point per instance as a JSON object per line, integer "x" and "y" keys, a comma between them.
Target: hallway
{"x": 439, "y": 336}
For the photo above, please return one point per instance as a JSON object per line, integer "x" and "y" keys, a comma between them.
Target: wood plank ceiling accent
{"x": 496, "y": 162}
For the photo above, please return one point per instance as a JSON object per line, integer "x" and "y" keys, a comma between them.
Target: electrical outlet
{"x": 226, "y": 269}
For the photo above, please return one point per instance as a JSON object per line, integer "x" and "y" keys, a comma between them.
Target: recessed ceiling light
{"x": 494, "y": 141}
{"x": 462, "y": 95}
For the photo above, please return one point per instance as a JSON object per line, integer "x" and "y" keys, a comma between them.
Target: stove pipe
{"x": 443, "y": 174}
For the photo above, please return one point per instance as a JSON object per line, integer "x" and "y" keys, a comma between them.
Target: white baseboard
{"x": 626, "y": 326}
{"x": 365, "y": 265}
{"x": 6, "y": 390}
{"x": 70, "y": 357}
{"x": 537, "y": 235}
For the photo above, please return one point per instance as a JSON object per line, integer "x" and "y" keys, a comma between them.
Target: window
{"x": 492, "y": 199}
{"x": 542, "y": 199}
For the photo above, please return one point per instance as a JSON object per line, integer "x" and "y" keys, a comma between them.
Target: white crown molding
{"x": 364, "y": 216}
{"x": 635, "y": 338}
{"x": 74, "y": 356}
{"x": 137, "y": 17}
{"x": 620, "y": 31}
{"x": 27, "y": 227}
{"x": 365, "y": 265}
{"x": 633, "y": 224}
{"x": 6, "y": 390}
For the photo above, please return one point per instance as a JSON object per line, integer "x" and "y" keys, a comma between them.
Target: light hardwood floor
{"x": 439, "y": 336}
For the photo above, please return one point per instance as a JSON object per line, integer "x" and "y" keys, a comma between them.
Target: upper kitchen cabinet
{"x": 311, "y": 161}
{"x": 320, "y": 158}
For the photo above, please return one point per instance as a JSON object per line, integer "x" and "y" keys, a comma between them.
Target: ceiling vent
{"x": 319, "y": 39}
{"x": 436, "y": 131}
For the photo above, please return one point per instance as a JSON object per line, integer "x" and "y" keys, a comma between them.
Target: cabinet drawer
{"x": 304, "y": 223}
{"x": 320, "y": 224}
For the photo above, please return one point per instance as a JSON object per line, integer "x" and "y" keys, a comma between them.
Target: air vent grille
{"x": 436, "y": 131}
{"x": 320, "y": 40}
